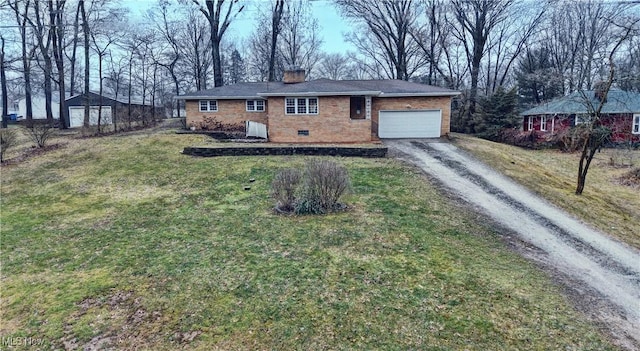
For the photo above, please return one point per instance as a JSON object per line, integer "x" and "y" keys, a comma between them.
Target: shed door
{"x": 410, "y": 124}
{"x": 76, "y": 115}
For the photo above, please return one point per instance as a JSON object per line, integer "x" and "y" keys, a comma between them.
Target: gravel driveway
{"x": 601, "y": 275}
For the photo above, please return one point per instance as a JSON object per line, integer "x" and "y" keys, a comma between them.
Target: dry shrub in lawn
{"x": 284, "y": 187}
{"x": 323, "y": 184}
{"x": 40, "y": 132}
{"x": 8, "y": 140}
{"x": 317, "y": 190}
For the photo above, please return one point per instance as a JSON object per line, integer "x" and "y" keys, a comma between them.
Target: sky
{"x": 332, "y": 25}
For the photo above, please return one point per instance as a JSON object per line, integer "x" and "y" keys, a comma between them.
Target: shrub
{"x": 40, "y": 132}
{"x": 529, "y": 139}
{"x": 317, "y": 190}
{"x": 284, "y": 187}
{"x": 8, "y": 140}
{"x": 569, "y": 139}
{"x": 213, "y": 124}
{"x": 324, "y": 182}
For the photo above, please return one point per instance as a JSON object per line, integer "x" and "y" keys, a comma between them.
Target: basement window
{"x": 303, "y": 132}
{"x": 635, "y": 128}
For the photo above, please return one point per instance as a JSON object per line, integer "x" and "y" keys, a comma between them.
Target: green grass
{"x": 127, "y": 239}
{"x": 605, "y": 203}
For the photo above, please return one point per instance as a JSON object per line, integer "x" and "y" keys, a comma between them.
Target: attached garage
{"x": 76, "y": 116}
{"x": 410, "y": 124}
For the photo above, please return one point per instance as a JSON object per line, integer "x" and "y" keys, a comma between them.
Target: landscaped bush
{"x": 569, "y": 139}
{"x": 213, "y": 124}
{"x": 284, "y": 187}
{"x": 40, "y": 132}
{"x": 530, "y": 139}
{"x": 8, "y": 140}
{"x": 317, "y": 190}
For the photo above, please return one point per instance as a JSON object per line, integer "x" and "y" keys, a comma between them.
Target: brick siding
{"x": 332, "y": 124}
{"x": 229, "y": 112}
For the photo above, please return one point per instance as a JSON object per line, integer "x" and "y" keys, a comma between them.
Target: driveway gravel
{"x": 601, "y": 275}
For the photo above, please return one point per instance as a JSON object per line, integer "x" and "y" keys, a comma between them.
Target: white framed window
{"x": 635, "y": 127}
{"x": 255, "y": 105}
{"x": 208, "y": 105}
{"x": 301, "y": 106}
{"x": 530, "y": 123}
{"x": 543, "y": 123}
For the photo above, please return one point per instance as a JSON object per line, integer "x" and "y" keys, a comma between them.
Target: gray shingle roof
{"x": 618, "y": 101}
{"x": 321, "y": 87}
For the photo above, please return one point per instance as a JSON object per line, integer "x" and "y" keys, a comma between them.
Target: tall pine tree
{"x": 497, "y": 112}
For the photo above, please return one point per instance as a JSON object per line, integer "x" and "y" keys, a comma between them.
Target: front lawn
{"x": 123, "y": 242}
{"x": 606, "y": 203}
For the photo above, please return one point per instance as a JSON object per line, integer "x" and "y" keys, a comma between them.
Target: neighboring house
{"x": 112, "y": 109}
{"x": 38, "y": 107}
{"x": 620, "y": 112}
{"x": 327, "y": 111}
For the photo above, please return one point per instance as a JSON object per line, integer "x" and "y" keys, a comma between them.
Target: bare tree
{"x": 56, "y": 12}
{"x": 195, "y": 48}
{"x": 171, "y": 54}
{"x": 476, "y": 20}
{"x": 431, "y": 37}
{"x": 334, "y": 66}
{"x": 213, "y": 11}
{"x": 300, "y": 44}
{"x": 596, "y": 134}
{"x": 85, "y": 32}
{"x": 21, "y": 15}
{"x": 276, "y": 20}
{"x": 3, "y": 84}
{"x": 389, "y": 24}
{"x": 74, "y": 49}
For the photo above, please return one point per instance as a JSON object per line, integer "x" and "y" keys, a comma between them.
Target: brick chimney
{"x": 294, "y": 75}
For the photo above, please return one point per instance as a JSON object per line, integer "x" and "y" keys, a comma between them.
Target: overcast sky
{"x": 332, "y": 25}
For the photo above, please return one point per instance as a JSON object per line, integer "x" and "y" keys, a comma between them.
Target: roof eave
{"x": 324, "y": 93}
{"x": 434, "y": 94}
{"x": 213, "y": 97}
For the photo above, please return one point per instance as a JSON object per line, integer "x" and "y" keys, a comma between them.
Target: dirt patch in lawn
{"x": 116, "y": 321}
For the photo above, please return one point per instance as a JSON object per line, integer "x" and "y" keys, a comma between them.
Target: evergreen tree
{"x": 497, "y": 112}
{"x": 537, "y": 80}
{"x": 237, "y": 68}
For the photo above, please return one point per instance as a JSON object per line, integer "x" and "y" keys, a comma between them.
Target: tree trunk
{"x": 100, "y": 92}
{"x": 275, "y": 31}
{"x": 217, "y": 62}
{"x": 3, "y": 84}
{"x": 58, "y": 54}
{"x": 72, "y": 73}
{"x": 129, "y": 93}
{"x": 85, "y": 32}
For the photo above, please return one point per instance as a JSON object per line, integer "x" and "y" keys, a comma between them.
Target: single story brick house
{"x": 327, "y": 111}
{"x": 620, "y": 112}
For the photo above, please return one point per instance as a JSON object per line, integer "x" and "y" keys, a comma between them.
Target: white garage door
{"x": 76, "y": 116}
{"x": 410, "y": 124}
